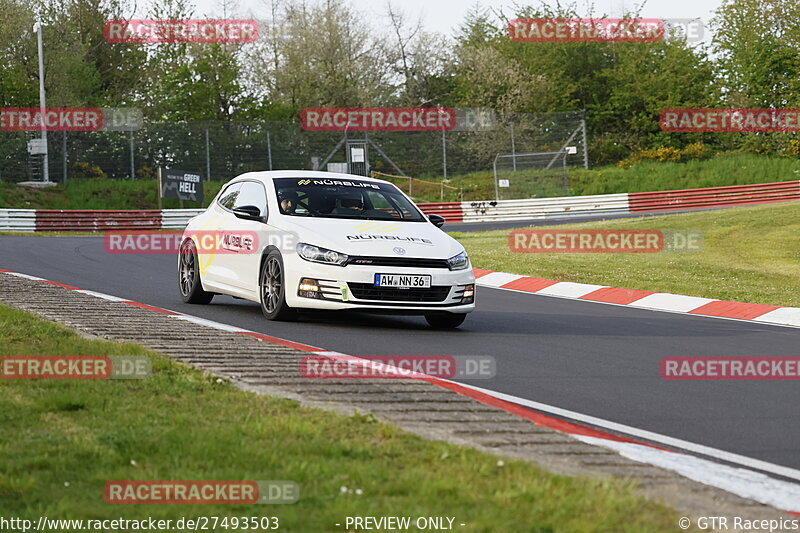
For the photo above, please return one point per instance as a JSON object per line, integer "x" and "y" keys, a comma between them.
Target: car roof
{"x": 268, "y": 175}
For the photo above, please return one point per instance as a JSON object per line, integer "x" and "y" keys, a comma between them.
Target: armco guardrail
{"x": 761, "y": 193}
{"x": 538, "y": 208}
{"x": 18, "y": 220}
{"x": 452, "y": 211}
{"x": 177, "y": 218}
{"x": 24, "y": 220}
{"x": 85, "y": 220}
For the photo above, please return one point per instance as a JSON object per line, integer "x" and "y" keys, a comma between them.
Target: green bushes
{"x": 82, "y": 169}
{"x": 692, "y": 152}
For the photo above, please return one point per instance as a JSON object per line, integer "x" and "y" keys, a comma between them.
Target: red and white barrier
{"x": 761, "y": 193}
{"x": 82, "y": 220}
{"x": 25, "y": 220}
{"x": 452, "y": 211}
{"x": 657, "y": 301}
{"x": 542, "y": 208}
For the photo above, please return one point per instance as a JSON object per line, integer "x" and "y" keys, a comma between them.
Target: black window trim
{"x": 222, "y": 192}
{"x": 420, "y": 212}
{"x": 266, "y": 197}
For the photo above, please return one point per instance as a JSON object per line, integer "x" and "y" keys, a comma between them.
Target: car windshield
{"x": 344, "y": 198}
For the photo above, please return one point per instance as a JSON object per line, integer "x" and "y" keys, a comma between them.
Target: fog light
{"x": 468, "y": 295}
{"x": 469, "y": 291}
{"x": 309, "y": 288}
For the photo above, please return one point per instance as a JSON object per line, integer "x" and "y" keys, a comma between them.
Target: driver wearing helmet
{"x": 288, "y": 202}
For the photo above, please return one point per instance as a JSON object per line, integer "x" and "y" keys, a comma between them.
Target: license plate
{"x": 403, "y": 281}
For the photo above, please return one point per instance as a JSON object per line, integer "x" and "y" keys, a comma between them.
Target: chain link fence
{"x": 221, "y": 150}
{"x": 531, "y": 175}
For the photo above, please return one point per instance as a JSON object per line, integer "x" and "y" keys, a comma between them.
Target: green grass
{"x": 726, "y": 169}
{"x": 96, "y": 194}
{"x": 180, "y": 424}
{"x": 750, "y": 254}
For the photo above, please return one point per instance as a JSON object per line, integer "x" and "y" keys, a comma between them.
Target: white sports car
{"x": 294, "y": 240}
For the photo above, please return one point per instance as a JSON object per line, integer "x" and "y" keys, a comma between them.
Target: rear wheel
{"x": 272, "y": 288}
{"x": 446, "y": 320}
{"x": 189, "y": 276}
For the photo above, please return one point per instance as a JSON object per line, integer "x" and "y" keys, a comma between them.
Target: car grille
{"x": 367, "y": 291}
{"x": 413, "y": 262}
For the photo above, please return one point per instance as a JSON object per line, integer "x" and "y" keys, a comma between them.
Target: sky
{"x": 444, "y": 16}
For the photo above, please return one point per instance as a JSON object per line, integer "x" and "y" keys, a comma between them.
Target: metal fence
{"x": 530, "y": 175}
{"x": 222, "y": 150}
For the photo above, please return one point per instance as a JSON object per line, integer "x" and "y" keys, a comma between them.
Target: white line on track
{"x": 782, "y": 494}
{"x": 26, "y": 276}
{"x": 101, "y": 295}
{"x": 208, "y": 323}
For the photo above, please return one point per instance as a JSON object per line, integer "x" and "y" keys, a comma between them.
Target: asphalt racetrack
{"x": 595, "y": 359}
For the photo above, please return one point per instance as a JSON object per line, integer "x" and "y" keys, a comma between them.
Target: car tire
{"x": 446, "y": 320}
{"x": 272, "y": 289}
{"x": 189, "y": 283}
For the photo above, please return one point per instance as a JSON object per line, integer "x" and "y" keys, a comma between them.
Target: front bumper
{"x": 351, "y": 287}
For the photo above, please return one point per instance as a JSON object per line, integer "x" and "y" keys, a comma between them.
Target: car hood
{"x": 374, "y": 237}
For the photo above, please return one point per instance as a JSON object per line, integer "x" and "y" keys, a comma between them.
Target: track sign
{"x": 37, "y": 146}
{"x": 182, "y": 185}
{"x": 357, "y": 155}
{"x": 504, "y": 183}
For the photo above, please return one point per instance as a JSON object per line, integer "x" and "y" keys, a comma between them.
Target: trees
{"x": 326, "y": 53}
{"x": 757, "y": 48}
{"x": 81, "y": 69}
{"x": 319, "y": 55}
{"x": 622, "y": 86}
{"x": 420, "y": 60}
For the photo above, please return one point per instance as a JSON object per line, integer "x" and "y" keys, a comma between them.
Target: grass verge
{"x": 62, "y": 440}
{"x": 96, "y": 194}
{"x": 750, "y": 254}
{"x": 726, "y": 169}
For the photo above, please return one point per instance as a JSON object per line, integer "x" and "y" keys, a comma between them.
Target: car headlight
{"x": 458, "y": 262}
{"x": 321, "y": 255}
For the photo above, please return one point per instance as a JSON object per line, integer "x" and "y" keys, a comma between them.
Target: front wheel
{"x": 446, "y": 320}
{"x": 189, "y": 276}
{"x": 272, "y": 288}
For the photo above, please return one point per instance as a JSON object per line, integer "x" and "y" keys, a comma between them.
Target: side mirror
{"x": 436, "y": 220}
{"x": 248, "y": 212}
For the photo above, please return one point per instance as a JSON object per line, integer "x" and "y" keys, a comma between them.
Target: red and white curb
{"x": 657, "y": 301}
{"x": 746, "y": 479}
